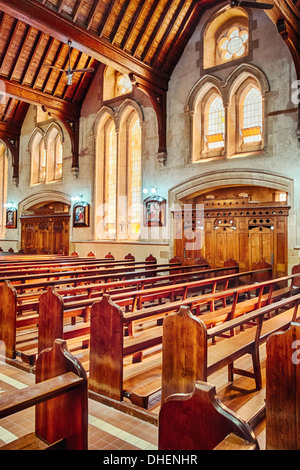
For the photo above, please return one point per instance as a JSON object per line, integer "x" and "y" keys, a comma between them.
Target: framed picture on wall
{"x": 81, "y": 215}
{"x": 11, "y": 218}
{"x": 155, "y": 211}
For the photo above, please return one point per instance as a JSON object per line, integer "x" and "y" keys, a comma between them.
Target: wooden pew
{"x": 8, "y": 316}
{"x": 74, "y": 263}
{"x": 61, "y": 401}
{"x": 107, "y": 370}
{"x": 78, "y": 307}
{"x": 199, "y": 421}
{"x": 195, "y": 420}
{"x": 187, "y": 356}
{"x": 74, "y": 271}
{"x": 283, "y": 390}
{"x": 69, "y": 309}
{"x": 141, "y": 278}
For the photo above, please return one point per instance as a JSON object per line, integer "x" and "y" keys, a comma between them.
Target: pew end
{"x": 199, "y": 421}
{"x": 60, "y": 398}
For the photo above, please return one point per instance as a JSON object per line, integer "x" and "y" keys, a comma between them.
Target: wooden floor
{"x": 113, "y": 429}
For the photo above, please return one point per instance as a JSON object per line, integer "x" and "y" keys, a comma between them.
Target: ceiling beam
{"x": 46, "y": 20}
{"x": 35, "y": 97}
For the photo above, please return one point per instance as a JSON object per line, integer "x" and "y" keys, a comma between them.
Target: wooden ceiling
{"x": 145, "y": 38}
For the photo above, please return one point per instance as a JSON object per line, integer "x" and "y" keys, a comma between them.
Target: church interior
{"x": 149, "y": 227}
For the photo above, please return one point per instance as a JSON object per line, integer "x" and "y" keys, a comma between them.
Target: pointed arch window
{"x": 252, "y": 116}
{"x": 118, "y": 175}
{"x": 46, "y": 150}
{"x": 215, "y": 124}
{"x": 111, "y": 181}
{"x": 54, "y": 155}
{"x": 38, "y": 158}
{"x": 134, "y": 203}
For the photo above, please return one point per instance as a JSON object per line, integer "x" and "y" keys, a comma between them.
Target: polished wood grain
{"x": 106, "y": 349}
{"x": 283, "y": 390}
{"x": 60, "y": 398}
{"x": 199, "y": 421}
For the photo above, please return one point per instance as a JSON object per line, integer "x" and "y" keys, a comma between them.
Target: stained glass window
{"x": 216, "y": 124}
{"x": 124, "y": 84}
{"x": 234, "y": 44}
{"x": 252, "y": 116}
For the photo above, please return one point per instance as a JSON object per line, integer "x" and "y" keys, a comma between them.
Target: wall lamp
{"x": 150, "y": 189}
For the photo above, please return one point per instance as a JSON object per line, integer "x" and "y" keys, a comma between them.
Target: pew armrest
{"x": 38, "y": 393}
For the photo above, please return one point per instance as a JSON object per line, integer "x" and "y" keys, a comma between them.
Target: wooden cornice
{"x": 46, "y": 20}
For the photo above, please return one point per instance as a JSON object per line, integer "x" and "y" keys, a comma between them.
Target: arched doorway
{"x": 45, "y": 228}
{"x": 245, "y": 219}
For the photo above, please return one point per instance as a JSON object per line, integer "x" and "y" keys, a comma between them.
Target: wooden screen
{"x": 45, "y": 232}
{"x": 221, "y": 229}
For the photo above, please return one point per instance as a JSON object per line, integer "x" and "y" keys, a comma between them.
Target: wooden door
{"x": 45, "y": 233}
{"x": 30, "y": 237}
{"x": 43, "y": 238}
{"x": 261, "y": 245}
{"x": 226, "y": 246}
{"x": 58, "y": 237}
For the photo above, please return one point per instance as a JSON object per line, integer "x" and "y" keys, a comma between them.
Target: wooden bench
{"x": 68, "y": 309}
{"x": 199, "y": 421}
{"x": 195, "y": 420}
{"x": 88, "y": 289}
{"x": 57, "y": 313}
{"x": 53, "y": 273}
{"x": 107, "y": 352}
{"x": 283, "y": 390}
{"x": 61, "y": 401}
{"x": 237, "y": 300}
{"x": 187, "y": 356}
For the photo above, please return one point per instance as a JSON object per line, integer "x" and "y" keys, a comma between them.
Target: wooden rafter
{"x": 44, "y": 19}
{"x": 28, "y": 95}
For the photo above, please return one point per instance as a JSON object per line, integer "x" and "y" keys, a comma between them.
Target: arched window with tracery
{"x": 134, "y": 186}
{"x": 111, "y": 180}
{"x": 118, "y": 174}
{"x": 38, "y": 158}
{"x": 209, "y": 126}
{"x": 252, "y": 116}
{"x": 226, "y": 37}
{"x": 46, "y": 151}
{"x": 54, "y": 155}
{"x": 215, "y": 123}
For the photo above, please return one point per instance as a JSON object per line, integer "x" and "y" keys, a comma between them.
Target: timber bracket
{"x": 13, "y": 144}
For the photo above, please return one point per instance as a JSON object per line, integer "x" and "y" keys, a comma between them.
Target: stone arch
{"x": 40, "y": 232}
{"x": 54, "y": 125}
{"x": 44, "y": 197}
{"x": 232, "y": 177}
